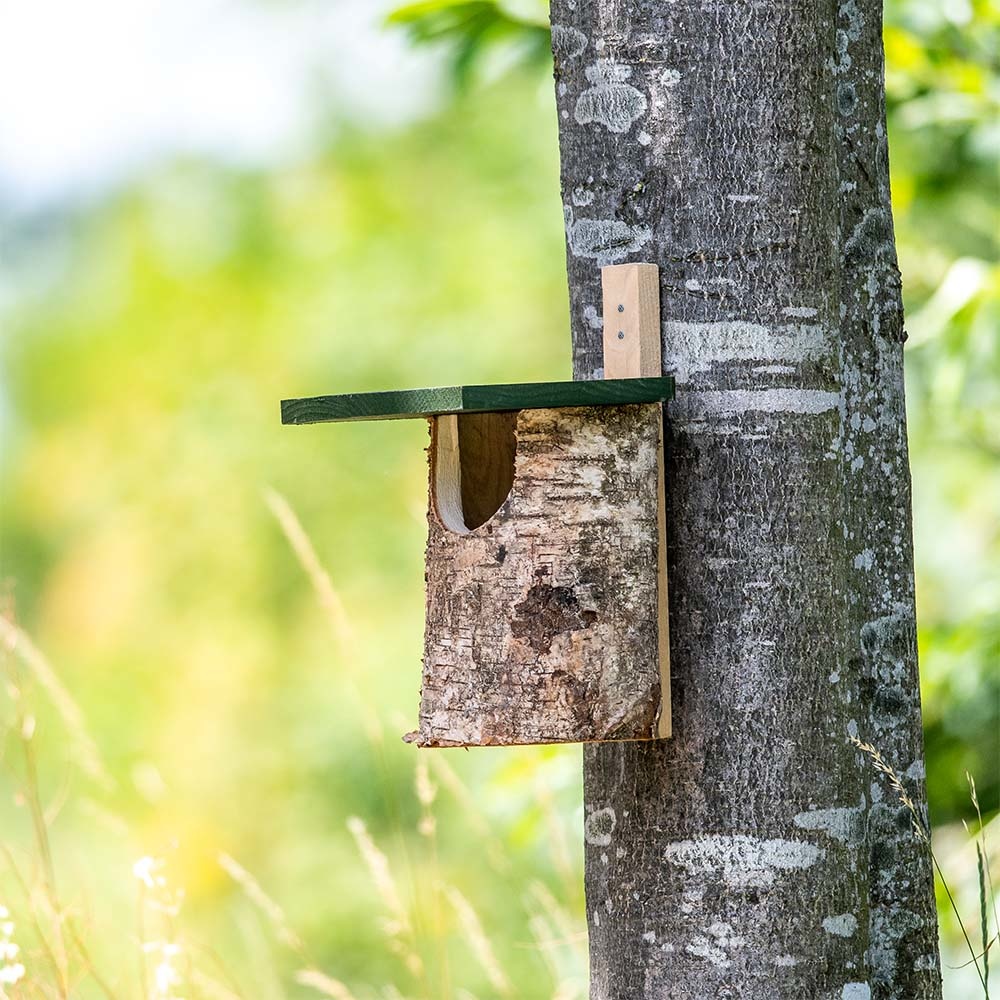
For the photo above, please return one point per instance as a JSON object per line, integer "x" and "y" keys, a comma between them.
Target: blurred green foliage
{"x": 943, "y": 103}
{"x": 474, "y": 29}
{"x": 145, "y": 346}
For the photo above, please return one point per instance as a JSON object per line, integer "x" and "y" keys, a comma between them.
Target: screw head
{"x": 621, "y": 308}
{"x": 621, "y": 334}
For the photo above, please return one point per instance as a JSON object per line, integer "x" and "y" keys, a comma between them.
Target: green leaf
{"x": 475, "y": 30}
{"x": 528, "y": 12}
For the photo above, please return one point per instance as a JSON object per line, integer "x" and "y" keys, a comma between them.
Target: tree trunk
{"x": 741, "y": 147}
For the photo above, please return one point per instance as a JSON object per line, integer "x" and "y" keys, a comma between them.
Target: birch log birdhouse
{"x": 546, "y": 613}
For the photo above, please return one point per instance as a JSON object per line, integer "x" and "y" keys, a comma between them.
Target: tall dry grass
{"x": 48, "y": 945}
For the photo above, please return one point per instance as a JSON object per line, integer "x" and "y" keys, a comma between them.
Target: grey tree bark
{"x": 741, "y": 147}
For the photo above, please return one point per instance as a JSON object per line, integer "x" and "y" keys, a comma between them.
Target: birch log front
{"x": 541, "y": 622}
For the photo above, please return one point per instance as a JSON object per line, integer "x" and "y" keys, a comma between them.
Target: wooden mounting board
{"x": 408, "y": 403}
{"x": 633, "y": 349}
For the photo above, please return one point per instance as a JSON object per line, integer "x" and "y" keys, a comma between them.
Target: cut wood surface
{"x": 631, "y": 321}
{"x": 407, "y": 403}
{"x": 542, "y": 623}
{"x": 487, "y": 449}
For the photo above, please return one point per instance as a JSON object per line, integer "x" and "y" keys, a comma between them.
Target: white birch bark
{"x": 542, "y": 622}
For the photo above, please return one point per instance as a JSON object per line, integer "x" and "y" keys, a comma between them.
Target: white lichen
{"x": 723, "y": 933}
{"x": 740, "y": 861}
{"x": 851, "y": 13}
{"x": 842, "y": 925}
{"x": 889, "y": 926}
{"x": 610, "y": 100}
{"x": 599, "y": 826}
{"x": 864, "y": 560}
{"x": 698, "y": 347}
{"x": 701, "y": 947}
{"x": 856, "y": 991}
{"x": 607, "y": 240}
{"x": 567, "y": 42}
{"x": 690, "y": 899}
{"x": 714, "y": 947}
{"x": 593, "y": 318}
{"x": 709, "y": 286}
{"x": 731, "y": 402}
{"x": 843, "y": 823}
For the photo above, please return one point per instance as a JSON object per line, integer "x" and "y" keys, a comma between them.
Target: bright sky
{"x": 92, "y": 90}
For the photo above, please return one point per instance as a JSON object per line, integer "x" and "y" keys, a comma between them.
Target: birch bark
{"x": 542, "y": 623}
{"x": 741, "y": 147}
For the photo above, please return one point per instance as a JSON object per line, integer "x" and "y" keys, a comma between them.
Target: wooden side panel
{"x": 632, "y": 349}
{"x": 542, "y": 623}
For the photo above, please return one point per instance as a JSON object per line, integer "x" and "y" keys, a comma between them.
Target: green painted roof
{"x": 407, "y": 403}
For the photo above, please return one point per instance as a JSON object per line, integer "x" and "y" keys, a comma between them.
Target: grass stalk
{"x": 923, "y": 832}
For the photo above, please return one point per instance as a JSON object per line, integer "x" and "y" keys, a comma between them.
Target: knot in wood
{"x": 546, "y": 612}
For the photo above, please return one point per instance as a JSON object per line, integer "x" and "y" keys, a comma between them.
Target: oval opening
{"x": 473, "y": 461}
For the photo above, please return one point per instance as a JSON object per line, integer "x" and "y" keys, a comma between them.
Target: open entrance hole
{"x": 472, "y": 458}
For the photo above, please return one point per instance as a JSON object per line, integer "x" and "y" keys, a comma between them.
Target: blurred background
{"x": 206, "y": 206}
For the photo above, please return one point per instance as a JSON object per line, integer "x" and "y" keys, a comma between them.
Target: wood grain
{"x": 631, "y": 320}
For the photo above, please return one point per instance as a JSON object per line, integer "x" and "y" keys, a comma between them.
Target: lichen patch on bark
{"x": 741, "y": 862}
{"x": 611, "y": 100}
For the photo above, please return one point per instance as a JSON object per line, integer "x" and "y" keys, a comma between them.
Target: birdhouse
{"x": 546, "y": 614}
